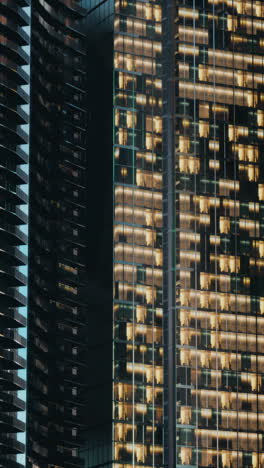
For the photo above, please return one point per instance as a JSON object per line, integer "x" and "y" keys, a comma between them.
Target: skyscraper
{"x": 191, "y": 212}
{"x": 13, "y": 154}
{"x": 129, "y": 429}
{"x": 214, "y": 219}
{"x": 57, "y": 234}
{"x": 138, "y": 256}
{"x": 147, "y": 127}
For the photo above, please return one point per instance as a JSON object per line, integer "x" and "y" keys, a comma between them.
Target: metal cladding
{"x": 57, "y": 219}
{"x": 12, "y": 138}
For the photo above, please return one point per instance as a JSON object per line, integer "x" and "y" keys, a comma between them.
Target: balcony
{"x": 72, "y": 378}
{"x": 10, "y": 297}
{"x": 67, "y": 254}
{"x": 72, "y": 419}
{"x": 12, "y": 234}
{"x": 18, "y": 156}
{"x": 74, "y": 400}
{"x": 14, "y": 31}
{"x": 14, "y": 72}
{"x": 14, "y": 52}
{"x": 14, "y": 8}
{"x": 73, "y": 314}
{"x": 13, "y": 216}
{"x": 71, "y": 359}
{"x": 68, "y": 335}
{"x": 57, "y": 19}
{"x": 10, "y": 445}
{"x": 10, "y": 339}
{"x": 11, "y": 277}
{"x": 80, "y": 239}
{"x": 11, "y": 192}
{"x": 18, "y": 95}
{"x": 12, "y": 134}
{"x": 10, "y": 424}
{"x": 10, "y": 403}
{"x": 13, "y": 113}
{"x": 15, "y": 175}
{"x": 74, "y": 7}
{"x": 11, "y": 318}
{"x": 7, "y": 463}
{"x": 69, "y": 440}
{"x": 10, "y": 360}
{"x": 9, "y": 381}
{"x": 12, "y": 256}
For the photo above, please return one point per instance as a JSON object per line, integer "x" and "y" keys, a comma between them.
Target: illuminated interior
{"x": 219, "y": 221}
{"x": 211, "y": 185}
{"x": 138, "y": 257}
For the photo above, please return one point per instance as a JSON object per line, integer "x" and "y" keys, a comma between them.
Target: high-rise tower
{"x": 175, "y": 106}
{"x": 214, "y": 188}
{"x": 192, "y": 213}
{"x": 129, "y": 431}
{"x": 13, "y": 154}
{"x": 57, "y": 235}
{"x": 138, "y": 257}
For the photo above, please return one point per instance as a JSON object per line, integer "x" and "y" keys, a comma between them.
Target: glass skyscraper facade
{"x": 188, "y": 192}
{"x": 138, "y": 258}
{"x": 215, "y": 237}
{"x": 130, "y": 434}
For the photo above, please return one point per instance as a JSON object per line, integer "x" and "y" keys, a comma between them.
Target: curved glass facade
{"x": 57, "y": 222}
{"x": 13, "y": 200}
